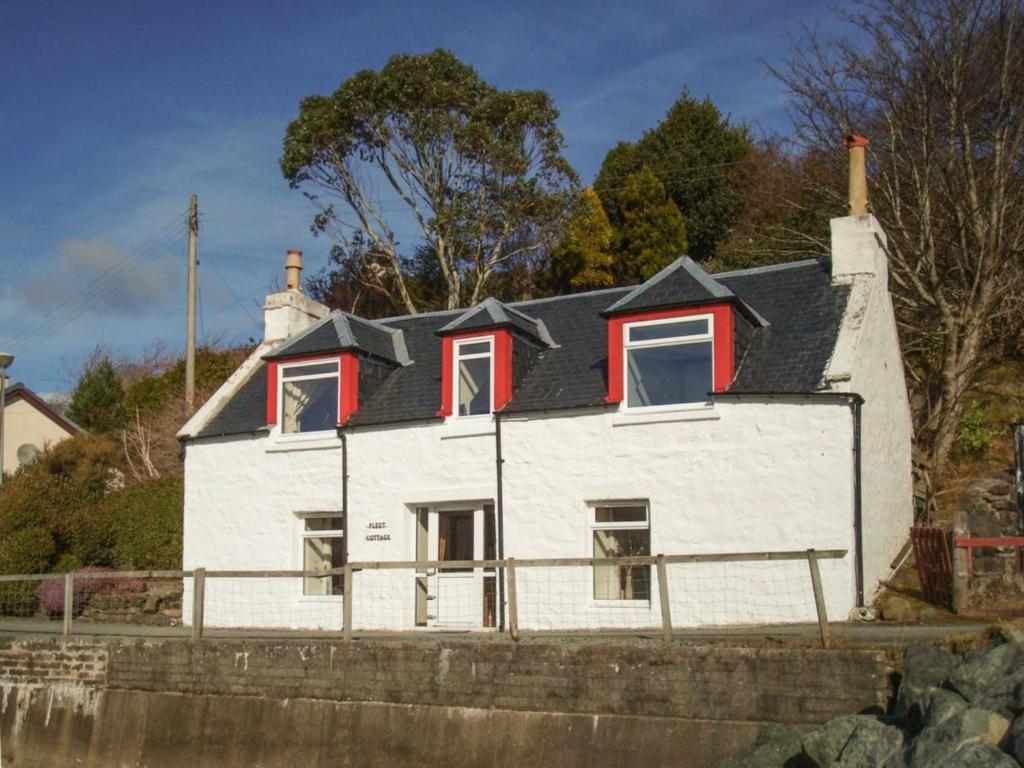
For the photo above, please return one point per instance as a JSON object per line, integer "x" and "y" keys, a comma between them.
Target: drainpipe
{"x": 856, "y": 401}
{"x": 344, "y": 490}
{"x": 500, "y": 511}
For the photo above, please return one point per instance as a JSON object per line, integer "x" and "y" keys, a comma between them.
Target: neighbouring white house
{"x": 756, "y": 410}
{"x": 30, "y": 425}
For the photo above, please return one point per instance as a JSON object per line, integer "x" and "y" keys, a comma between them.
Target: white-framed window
{"x": 621, "y": 529}
{"x": 669, "y": 362}
{"x": 308, "y": 394}
{"x": 323, "y": 548}
{"x": 474, "y": 376}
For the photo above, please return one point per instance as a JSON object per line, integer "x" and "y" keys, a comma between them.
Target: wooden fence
{"x": 509, "y": 568}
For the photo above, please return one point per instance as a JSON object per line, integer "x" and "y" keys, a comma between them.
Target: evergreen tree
{"x": 96, "y": 401}
{"x": 583, "y": 259}
{"x": 701, "y": 158}
{"x": 653, "y": 232}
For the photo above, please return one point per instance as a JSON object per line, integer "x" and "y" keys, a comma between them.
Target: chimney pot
{"x": 858, "y": 190}
{"x": 293, "y": 271}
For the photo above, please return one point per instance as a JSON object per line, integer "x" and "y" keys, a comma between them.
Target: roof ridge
{"x": 767, "y": 268}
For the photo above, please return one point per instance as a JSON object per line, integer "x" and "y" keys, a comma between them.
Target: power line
{"x": 101, "y": 285}
{"x": 397, "y": 205}
{"x": 96, "y": 290}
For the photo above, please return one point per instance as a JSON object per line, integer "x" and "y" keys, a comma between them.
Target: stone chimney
{"x": 858, "y": 241}
{"x": 288, "y": 312}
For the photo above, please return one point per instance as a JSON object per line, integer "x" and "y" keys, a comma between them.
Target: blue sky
{"x": 112, "y": 113}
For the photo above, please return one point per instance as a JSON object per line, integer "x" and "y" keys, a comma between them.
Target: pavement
{"x": 847, "y": 634}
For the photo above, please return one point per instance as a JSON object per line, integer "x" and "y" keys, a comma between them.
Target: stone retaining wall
{"x": 414, "y": 703}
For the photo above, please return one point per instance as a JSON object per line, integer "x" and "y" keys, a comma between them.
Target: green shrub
{"x": 975, "y": 436}
{"x": 144, "y": 522}
{"x": 28, "y": 550}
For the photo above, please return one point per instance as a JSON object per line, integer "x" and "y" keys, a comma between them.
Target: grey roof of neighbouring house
{"x": 788, "y": 352}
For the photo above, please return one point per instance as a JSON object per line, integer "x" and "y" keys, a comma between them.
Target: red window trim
{"x": 502, "y": 350}
{"x": 723, "y": 348}
{"x": 348, "y": 383}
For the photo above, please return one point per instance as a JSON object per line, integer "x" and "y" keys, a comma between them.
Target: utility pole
{"x": 190, "y": 343}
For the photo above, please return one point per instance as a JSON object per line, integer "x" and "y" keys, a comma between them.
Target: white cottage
{"x": 763, "y": 409}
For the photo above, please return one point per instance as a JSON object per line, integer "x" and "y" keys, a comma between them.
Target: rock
{"x": 873, "y": 744}
{"x": 979, "y": 755}
{"x": 982, "y": 668}
{"x": 152, "y": 604}
{"x": 938, "y": 705}
{"x": 938, "y": 742}
{"x": 1006, "y": 696}
{"x": 1014, "y": 740}
{"x": 172, "y": 613}
{"x": 778, "y": 746}
{"x": 824, "y": 745}
{"x": 924, "y": 666}
{"x": 898, "y": 609}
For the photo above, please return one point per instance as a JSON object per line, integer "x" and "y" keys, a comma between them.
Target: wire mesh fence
{"x": 38, "y": 599}
{"x": 660, "y": 594}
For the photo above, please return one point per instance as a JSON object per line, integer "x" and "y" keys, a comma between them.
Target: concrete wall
{"x": 744, "y": 476}
{"x": 23, "y": 423}
{"x": 232, "y": 703}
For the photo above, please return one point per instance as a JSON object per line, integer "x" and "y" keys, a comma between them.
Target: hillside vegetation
{"x": 111, "y": 496}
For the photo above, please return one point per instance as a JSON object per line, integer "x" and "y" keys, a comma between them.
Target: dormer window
{"x": 669, "y": 361}
{"x": 309, "y": 396}
{"x": 474, "y": 374}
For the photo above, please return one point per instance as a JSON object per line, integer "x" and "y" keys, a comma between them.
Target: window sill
{"x": 322, "y": 599}
{"x": 314, "y": 441}
{"x": 467, "y": 426}
{"x": 698, "y": 413}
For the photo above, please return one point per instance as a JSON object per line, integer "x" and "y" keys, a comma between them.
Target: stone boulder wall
{"x": 949, "y": 711}
{"x": 158, "y": 603}
{"x": 988, "y": 508}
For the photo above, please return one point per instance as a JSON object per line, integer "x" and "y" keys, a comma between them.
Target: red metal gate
{"x": 934, "y": 564}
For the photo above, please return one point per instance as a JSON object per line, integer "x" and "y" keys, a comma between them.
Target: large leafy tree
{"x": 938, "y": 87}
{"x": 479, "y": 170}
{"x": 652, "y": 233}
{"x": 700, "y": 157}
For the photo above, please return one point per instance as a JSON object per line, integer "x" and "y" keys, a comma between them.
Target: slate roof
{"x": 801, "y": 307}
{"x": 341, "y": 331}
{"x": 491, "y": 313}
{"x": 680, "y": 283}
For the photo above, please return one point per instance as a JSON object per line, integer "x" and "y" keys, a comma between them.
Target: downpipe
{"x": 499, "y": 504}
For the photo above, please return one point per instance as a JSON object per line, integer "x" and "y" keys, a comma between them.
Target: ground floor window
{"x": 621, "y": 530}
{"x": 323, "y": 549}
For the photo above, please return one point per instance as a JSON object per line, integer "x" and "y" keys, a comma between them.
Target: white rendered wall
{"x": 867, "y": 361}
{"x": 760, "y": 476}
{"x": 886, "y": 438}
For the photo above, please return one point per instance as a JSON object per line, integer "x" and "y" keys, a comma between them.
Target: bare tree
{"x": 938, "y": 86}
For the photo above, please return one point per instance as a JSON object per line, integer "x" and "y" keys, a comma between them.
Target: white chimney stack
{"x": 858, "y": 241}
{"x": 288, "y": 312}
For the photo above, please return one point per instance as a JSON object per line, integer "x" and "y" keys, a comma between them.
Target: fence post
{"x": 513, "y": 605}
{"x": 347, "y": 609}
{"x": 666, "y": 609}
{"x": 69, "y": 601}
{"x": 198, "y": 602}
{"x": 819, "y": 597}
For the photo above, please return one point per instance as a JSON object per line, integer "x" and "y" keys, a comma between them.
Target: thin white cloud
{"x": 100, "y": 277}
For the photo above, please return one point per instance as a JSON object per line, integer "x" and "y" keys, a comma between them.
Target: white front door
{"x": 455, "y": 597}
